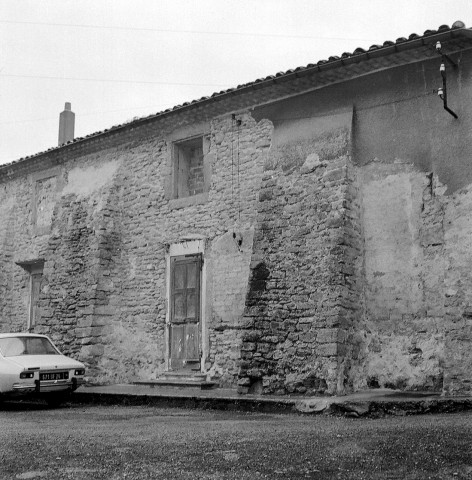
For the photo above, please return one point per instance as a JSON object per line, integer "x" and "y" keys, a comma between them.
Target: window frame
{"x": 36, "y": 278}
{"x": 181, "y": 166}
{"x": 35, "y": 269}
{"x": 179, "y": 137}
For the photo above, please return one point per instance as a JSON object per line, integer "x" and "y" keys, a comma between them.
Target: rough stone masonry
{"x": 329, "y": 213}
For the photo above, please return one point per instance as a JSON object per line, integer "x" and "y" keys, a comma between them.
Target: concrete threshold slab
{"x": 178, "y": 383}
{"x": 371, "y": 403}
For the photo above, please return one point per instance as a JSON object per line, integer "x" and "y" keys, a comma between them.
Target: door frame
{"x": 187, "y": 247}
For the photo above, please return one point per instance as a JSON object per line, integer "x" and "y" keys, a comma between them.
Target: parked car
{"x": 31, "y": 365}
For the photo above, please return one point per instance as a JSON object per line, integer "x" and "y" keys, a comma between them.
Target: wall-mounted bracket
{"x": 447, "y": 57}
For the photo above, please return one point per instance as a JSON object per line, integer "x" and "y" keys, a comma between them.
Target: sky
{"x": 116, "y": 60}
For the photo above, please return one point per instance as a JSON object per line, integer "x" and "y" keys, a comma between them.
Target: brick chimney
{"x": 66, "y": 125}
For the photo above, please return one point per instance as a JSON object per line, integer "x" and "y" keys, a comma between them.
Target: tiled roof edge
{"x": 359, "y": 54}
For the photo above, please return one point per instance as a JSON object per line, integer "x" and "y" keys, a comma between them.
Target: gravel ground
{"x": 89, "y": 442}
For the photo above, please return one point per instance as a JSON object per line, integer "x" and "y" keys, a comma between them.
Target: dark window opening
{"x": 189, "y": 176}
{"x": 35, "y": 313}
{"x": 35, "y": 270}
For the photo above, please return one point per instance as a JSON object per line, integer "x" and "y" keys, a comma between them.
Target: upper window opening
{"x": 189, "y": 177}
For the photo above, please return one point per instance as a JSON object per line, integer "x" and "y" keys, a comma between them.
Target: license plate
{"x": 54, "y": 376}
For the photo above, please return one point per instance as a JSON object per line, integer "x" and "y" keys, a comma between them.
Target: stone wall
{"x": 75, "y": 295}
{"x": 104, "y": 235}
{"x": 13, "y": 280}
{"x": 151, "y": 222}
{"x": 301, "y": 303}
{"x": 18, "y": 243}
{"x": 336, "y": 239}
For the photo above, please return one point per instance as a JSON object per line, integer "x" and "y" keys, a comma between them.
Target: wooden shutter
{"x": 35, "y": 313}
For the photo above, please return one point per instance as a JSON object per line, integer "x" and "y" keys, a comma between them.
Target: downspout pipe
{"x": 442, "y": 92}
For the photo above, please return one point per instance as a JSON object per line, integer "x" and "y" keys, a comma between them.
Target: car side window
{"x": 12, "y": 347}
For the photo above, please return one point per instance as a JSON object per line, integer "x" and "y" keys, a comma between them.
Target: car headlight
{"x": 26, "y": 375}
{"x": 80, "y": 371}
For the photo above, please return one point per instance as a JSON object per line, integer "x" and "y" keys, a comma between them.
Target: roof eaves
{"x": 429, "y": 38}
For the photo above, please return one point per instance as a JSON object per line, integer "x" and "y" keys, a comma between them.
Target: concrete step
{"x": 180, "y": 380}
{"x": 185, "y": 375}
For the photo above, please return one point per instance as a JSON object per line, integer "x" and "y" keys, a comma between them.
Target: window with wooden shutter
{"x": 35, "y": 313}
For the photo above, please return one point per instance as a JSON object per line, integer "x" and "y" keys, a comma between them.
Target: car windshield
{"x": 15, "y": 346}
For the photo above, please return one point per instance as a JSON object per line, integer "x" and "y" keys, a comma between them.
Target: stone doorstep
{"x": 180, "y": 380}
{"x": 188, "y": 374}
{"x": 198, "y": 385}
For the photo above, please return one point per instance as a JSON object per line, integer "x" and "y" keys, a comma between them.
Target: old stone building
{"x": 310, "y": 232}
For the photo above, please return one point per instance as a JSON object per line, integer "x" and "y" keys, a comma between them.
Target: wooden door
{"x": 184, "y": 325}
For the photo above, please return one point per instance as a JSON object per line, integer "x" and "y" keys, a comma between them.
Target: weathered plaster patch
{"x": 404, "y": 288}
{"x": 458, "y": 301}
{"x": 230, "y": 256}
{"x": 6, "y": 207}
{"x": 86, "y": 181}
{"x": 45, "y": 197}
{"x": 312, "y": 162}
{"x": 292, "y": 155}
{"x": 406, "y": 362}
{"x": 391, "y": 212}
{"x": 292, "y": 130}
{"x": 129, "y": 355}
{"x": 229, "y": 260}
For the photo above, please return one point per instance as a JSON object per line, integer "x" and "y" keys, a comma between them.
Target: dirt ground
{"x": 95, "y": 442}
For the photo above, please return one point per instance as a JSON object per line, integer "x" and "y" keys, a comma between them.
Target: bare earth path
{"x": 90, "y": 442}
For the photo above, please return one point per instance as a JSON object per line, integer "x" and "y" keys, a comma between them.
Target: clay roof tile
{"x": 358, "y": 51}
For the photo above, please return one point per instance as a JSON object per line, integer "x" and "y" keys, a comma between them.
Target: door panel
{"x": 191, "y": 341}
{"x": 192, "y": 275}
{"x": 184, "y": 328}
{"x": 179, "y": 276}
{"x": 179, "y": 308}
{"x": 177, "y": 341}
{"x": 191, "y": 306}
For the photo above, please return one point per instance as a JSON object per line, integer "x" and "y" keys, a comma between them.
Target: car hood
{"x": 51, "y": 362}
